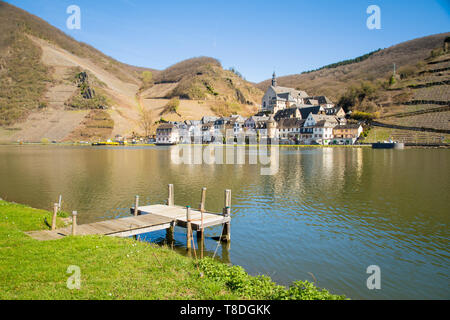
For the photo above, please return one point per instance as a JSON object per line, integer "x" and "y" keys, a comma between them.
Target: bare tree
{"x": 146, "y": 121}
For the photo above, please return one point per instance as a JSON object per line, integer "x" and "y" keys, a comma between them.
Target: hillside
{"x": 202, "y": 85}
{"x": 333, "y": 82}
{"x": 411, "y": 106}
{"x": 40, "y": 98}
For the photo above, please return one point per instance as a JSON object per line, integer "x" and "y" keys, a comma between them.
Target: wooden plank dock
{"x": 147, "y": 219}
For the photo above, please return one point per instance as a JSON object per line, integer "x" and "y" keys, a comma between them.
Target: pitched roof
{"x": 324, "y": 123}
{"x": 332, "y": 111}
{"x": 306, "y": 111}
{"x": 312, "y": 101}
{"x": 258, "y": 118}
{"x": 320, "y": 117}
{"x": 285, "y": 96}
{"x": 166, "y": 126}
{"x": 207, "y": 119}
{"x": 290, "y": 123}
{"x": 287, "y": 113}
{"x": 322, "y": 99}
{"x": 348, "y": 126}
{"x": 293, "y": 92}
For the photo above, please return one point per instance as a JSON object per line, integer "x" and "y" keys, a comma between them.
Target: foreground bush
{"x": 261, "y": 287}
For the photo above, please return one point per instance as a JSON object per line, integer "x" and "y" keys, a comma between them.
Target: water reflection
{"x": 329, "y": 211}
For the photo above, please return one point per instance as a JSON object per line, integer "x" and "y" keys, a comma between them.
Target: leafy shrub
{"x": 171, "y": 106}
{"x": 261, "y": 287}
{"x": 147, "y": 77}
{"x": 392, "y": 80}
{"x": 359, "y": 115}
{"x": 355, "y": 96}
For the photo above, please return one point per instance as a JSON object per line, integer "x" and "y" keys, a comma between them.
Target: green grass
{"x": 115, "y": 268}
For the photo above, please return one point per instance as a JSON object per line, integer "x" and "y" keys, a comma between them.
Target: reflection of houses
{"x": 167, "y": 133}
{"x": 347, "y": 133}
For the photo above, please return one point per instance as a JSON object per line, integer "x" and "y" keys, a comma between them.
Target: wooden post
{"x": 226, "y": 236}
{"x": 60, "y": 202}
{"x": 171, "y": 198}
{"x": 169, "y": 234}
{"x": 74, "y": 223}
{"x": 55, "y": 213}
{"x": 203, "y": 199}
{"x": 200, "y": 233}
{"x": 136, "y": 206}
{"x": 227, "y": 199}
{"x": 189, "y": 228}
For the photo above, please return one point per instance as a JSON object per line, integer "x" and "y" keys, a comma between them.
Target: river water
{"x": 326, "y": 215}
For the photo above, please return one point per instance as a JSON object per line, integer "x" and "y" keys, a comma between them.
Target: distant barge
{"x": 388, "y": 145}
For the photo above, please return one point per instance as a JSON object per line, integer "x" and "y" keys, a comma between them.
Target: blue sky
{"x": 255, "y": 37}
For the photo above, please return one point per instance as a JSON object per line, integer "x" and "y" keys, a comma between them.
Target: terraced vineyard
{"x": 436, "y": 120}
{"x": 406, "y": 136}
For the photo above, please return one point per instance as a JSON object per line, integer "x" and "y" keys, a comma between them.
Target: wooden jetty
{"x": 148, "y": 219}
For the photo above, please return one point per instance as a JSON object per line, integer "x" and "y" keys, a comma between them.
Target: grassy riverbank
{"x": 114, "y": 268}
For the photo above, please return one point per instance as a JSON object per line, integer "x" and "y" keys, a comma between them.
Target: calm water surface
{"x": 327, "y": 213}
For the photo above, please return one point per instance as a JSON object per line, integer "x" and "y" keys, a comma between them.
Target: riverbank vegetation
{"x": 114, "y": 268}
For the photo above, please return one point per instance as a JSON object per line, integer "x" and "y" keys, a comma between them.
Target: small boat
{"x": 106, "y": 143}
{"x": 388, "y": 145}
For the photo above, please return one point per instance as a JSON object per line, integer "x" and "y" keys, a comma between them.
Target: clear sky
{"x": 255, "y": 37}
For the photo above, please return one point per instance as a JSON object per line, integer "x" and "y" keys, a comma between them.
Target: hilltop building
{"x": 278, "y": 98}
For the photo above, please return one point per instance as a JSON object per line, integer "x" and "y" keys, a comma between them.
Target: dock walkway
{"x": 147, "y": 219}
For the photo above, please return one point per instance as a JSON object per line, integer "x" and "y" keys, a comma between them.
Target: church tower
{"x": 274, "y": 80}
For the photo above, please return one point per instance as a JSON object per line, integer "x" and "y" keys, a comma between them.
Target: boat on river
{"x": 390, "y": 144}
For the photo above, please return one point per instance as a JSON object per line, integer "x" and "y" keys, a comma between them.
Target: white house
{"x": 208, "y": 132}
{"x": 347, "y": 133}
{"x": 318, "y": 128}
{"x": 167, "y": 133}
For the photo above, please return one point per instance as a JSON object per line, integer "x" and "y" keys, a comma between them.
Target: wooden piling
{"x": 74, "y": 223}
{"x": 171, "y": 197}
{"x": 60, "y": 202}
{"x": 203, "y": 199}
{"x": 136, "y": 206}
{"x": 200, "y": 232}
{"x": 227, "y": 198}
{"x": 55, "y": 213}
{"x": 226, "y": 234}
{"x": 169, "y": 234}
{"x": 189, "y": 228}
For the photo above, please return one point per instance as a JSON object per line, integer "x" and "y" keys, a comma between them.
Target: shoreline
{"x": 419, "y": 146}
{"x": 121, "y": 268}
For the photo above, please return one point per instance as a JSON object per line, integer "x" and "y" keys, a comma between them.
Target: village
{"x": 287, "y": 115}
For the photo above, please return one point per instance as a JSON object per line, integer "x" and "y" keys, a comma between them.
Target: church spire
{"x": 274, "y": 79}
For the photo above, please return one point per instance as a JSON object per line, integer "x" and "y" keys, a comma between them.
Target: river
{"x": 326, "y": 215}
